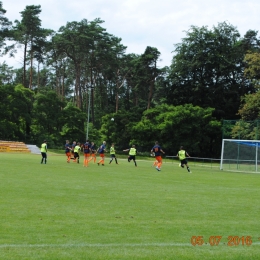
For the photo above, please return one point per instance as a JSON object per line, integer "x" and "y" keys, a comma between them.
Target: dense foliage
{"x": 82, "y": 72}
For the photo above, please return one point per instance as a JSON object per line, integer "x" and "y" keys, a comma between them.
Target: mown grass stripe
{"x": 113, "y": 245}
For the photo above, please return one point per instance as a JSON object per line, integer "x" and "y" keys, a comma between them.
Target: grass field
{"x": 66, "y": 211}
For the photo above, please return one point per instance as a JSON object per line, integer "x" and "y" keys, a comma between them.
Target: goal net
{"x": 240, "y": 155}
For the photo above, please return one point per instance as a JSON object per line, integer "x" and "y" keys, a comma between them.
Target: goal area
{"x": 240, "y": 155}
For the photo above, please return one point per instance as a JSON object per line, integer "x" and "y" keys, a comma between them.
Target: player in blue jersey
{"x": 93, "y": 152}
{"x": 87, "y": 151}
{"x": 101, "y": 151}
{"x": 67, "y": 150}
{"x": 157, "y": 150}
{"x": 72, "y": 150}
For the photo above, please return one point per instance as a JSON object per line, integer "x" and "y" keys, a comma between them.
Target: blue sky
{"x": 141, "y": 23}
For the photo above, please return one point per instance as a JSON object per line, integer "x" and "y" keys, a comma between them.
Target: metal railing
{"x": 197, "y": 161}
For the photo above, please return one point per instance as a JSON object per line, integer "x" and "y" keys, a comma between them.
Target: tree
{"x": 187, "y": 125}
{"x": 56, "y": 121}
{"x": 105, "y": 60}
{"x": 15, "y": 116}
{"x": 5, "y": 26}
{"x": 8, "y": 127}
{"x": 250, "y": 107}
{"x": 144, "y": 73}
{"x": 248, "y": 127}
{"x": 250, "y": 42}
{"x": 208, "y": 70}
{"x": 117, "y": 127}
{"x": 47, "y": 116}
{"x": 247, "y": 130}
{"x": 7, "y": 74}
{"x": 61, "y": 71}
{"x": 252, "y": 70}
{"x": 72, "y": 121}
{"x": 76, "y": 40}
{"x": 250, "y": 103}
{"x": 92, "y": 53}
{"x": 31, "y": 36}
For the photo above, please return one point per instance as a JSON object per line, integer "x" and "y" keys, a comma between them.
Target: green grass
{"x": 66, "y": 211}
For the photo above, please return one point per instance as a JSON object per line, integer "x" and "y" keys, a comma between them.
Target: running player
{"x": 44, "y": 151}
{"x": 72, "y": 150}
{"x": 67, "y": 150}
{"x": 157, "y": 150}
{"x": 113, "y": 154}
{"x": 132, "y": 154}
{"x": 87, "y": 151}
{"x": 101, "y": 151}
{"x": 76, "y": 153}
{"x": 183, "y": 160}
{"x": 93, "y": 152}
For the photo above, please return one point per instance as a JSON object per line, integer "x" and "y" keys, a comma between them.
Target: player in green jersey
{"x": 182, "y": 157}
{"x": 113, "y": 154}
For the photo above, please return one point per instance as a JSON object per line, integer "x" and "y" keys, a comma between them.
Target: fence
{"x": 244, "y": 166}
{"x": 197, "y": 161}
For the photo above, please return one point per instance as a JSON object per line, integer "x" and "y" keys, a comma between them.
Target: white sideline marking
{"x": 114, "y": 245}
{"x": 95, "y": 245}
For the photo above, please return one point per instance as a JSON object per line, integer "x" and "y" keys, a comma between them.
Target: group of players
{"x": 89, "y": 150}
{"x": 72, "y": 152}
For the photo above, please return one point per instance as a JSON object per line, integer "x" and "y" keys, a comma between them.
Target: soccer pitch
{"x": 65, "y": 211}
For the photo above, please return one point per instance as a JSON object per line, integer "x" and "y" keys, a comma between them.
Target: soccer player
{"x": 157, "y": 150}
{"x": 101, "y": 151}
{"x": 72, "y": 149}
{"x": 155, "y": 162}
{"x": 93, "y": 152}
{"x": 67, "y": 150}
{"x": 44, "y": 151}
{"x": 182, "y": 157}
{"x": 76, "y": 153}
{"x": 132, "y": 154}
{"x": 87, "y": 151}
{"x": 113, "y": 154}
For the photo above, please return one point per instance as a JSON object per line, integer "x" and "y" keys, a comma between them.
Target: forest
{"x": 79, "y": 83}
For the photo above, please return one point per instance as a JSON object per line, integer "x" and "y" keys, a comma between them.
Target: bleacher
{"x": 11, "y": 146}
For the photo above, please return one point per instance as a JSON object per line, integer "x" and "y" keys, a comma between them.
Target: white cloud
{"x": 142, "y": 23}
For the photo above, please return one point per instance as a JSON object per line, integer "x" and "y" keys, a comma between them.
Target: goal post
{"x": 240, "y": 155}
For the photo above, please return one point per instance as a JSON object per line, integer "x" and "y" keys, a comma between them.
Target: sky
{"x": 142, "y": 23}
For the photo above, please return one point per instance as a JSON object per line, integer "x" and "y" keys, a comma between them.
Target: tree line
{"x": 83, "y": 70}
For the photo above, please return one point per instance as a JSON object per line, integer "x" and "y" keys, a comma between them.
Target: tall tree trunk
{"x": 57, "y": 77}
{"x": 31, "y": 69}
{"x": 117, "y": 89}
{"x": 62, "y": 86}
{"x": 92, "y": 104}
{"x": 118, "y": 85}
{"x": 150, "y": 94}
{"x": 38, "y": 76}
{"x": 92, "y": 96}
{"x": 77, "y": 84}
{"x": 24, "y": 65}
{"x": 80, "y": 97}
